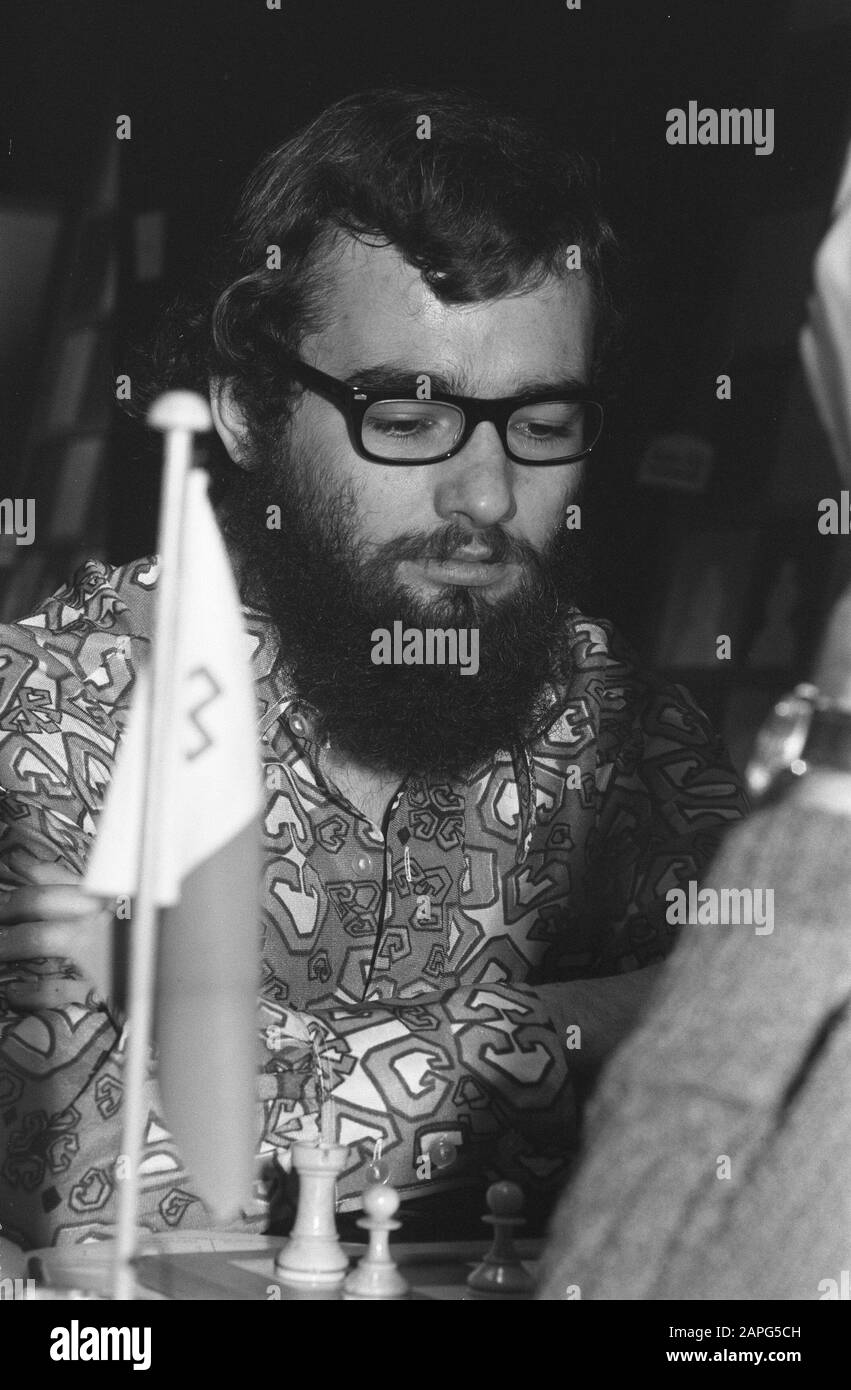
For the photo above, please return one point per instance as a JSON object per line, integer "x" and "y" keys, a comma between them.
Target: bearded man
{"x": 404, "y": 344}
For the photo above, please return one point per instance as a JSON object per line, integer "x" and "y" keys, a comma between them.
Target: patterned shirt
{"x": 420, "y": 956}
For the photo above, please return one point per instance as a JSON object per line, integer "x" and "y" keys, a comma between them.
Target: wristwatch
{"x": 805, "y": 731}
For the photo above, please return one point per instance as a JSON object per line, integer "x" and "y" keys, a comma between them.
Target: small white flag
{"x": 213, "y": 781}
{"x": 208, "y": 869}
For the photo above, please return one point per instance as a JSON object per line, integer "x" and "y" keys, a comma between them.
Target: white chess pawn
{"x": 376, "y": 1275}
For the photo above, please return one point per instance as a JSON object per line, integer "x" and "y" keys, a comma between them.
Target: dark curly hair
{"x": 483, "y": 208}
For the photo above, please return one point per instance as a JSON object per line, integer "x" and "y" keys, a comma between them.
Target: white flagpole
{"x": 179, "y": 415}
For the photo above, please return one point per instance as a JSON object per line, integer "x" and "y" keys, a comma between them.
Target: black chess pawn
{"x": 501, "y": 1271}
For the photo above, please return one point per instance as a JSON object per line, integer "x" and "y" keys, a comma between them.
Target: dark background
{"x": 720, "y": 241}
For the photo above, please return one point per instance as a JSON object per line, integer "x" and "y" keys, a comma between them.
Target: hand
{"x": 604, "y": 1010}
{"x": 51, "y": 917}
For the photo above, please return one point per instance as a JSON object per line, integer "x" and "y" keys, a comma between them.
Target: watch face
{"x": 780, "y": 742}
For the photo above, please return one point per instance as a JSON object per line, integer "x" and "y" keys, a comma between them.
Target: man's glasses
{"x": 540, "y": 429}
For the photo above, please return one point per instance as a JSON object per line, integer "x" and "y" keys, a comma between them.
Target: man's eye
{"x": 402, "y": 427}
{"x": 411, "y": 430}
{"x": 536, "y": 431}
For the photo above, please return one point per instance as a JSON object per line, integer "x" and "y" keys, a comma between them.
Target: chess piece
{"x": 501, "y": 1272}
{"x": 376, "y": 1275}
{"x": 313, "y": 1254}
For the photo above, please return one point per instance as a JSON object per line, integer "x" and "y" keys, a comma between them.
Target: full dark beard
{"x": 327, "y": 593}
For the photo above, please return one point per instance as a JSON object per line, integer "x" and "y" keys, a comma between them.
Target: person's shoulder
{"x": 103, "y": 610}
{"x": 652, "y": 738}
{"x": 98, "y": 597}
{"x": 596, "y": 660}
{"x": 600, "y": 666}
{"x": 595, "y": 644}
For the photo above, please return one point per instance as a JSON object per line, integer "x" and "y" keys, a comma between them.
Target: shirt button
{"x": 362, "y": 863}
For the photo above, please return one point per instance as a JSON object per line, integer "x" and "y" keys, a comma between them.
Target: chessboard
{"x": 312, "y": 1263}
{"x": 229, "y": 1267}
{"x": 434, "y": 1272}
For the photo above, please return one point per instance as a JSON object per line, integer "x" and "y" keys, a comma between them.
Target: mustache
{"x": 446, "y": 543}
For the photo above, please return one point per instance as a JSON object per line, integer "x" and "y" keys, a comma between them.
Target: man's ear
{"x": 229, "y": 422}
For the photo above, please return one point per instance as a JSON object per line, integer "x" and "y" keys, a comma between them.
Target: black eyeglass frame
{"x": 354, "y": 401}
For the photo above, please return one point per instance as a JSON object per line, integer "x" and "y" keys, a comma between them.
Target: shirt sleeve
{"x": 471, "y": 1086}
{"x": 482, "y": 1067}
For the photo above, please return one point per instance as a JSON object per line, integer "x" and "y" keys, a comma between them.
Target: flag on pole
{"x": 826, "y": 339}
{"x": 207, "y": 874}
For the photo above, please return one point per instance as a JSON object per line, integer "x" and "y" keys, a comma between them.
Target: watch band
{"x": 804, "y": 731}
{"x": 829, "y": 741}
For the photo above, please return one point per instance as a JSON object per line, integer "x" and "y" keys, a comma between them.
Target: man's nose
{"x": 477, "y": 484}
